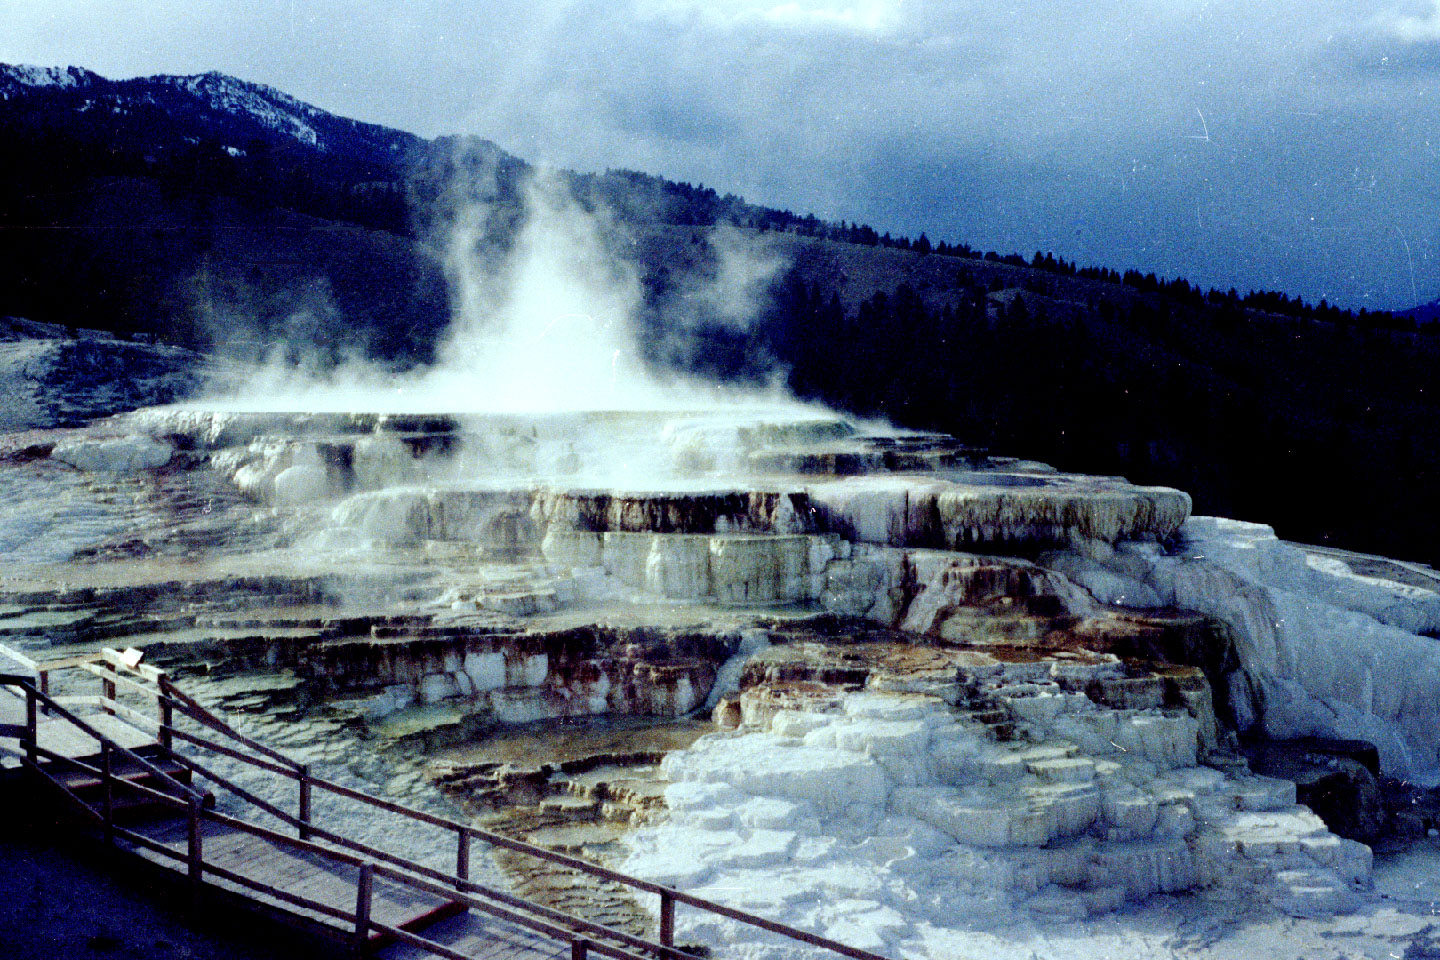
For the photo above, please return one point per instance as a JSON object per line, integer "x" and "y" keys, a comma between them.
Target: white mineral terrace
{"x": 885, "y": 821}
{"x": 617, "y": 470}
{"x": 1000, "y": 717}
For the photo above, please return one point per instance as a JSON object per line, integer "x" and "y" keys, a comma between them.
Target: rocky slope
{"x": 52, "y": 376}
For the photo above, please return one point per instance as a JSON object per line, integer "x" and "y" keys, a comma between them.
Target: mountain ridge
{"x": 213, "y": 105}
{"x": 365, "y": 151}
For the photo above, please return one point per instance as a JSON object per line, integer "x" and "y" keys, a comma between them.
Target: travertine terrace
{"x": 947, "y": 688}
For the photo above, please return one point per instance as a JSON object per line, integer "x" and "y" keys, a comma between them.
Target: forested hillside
{"x": 212, "y": 212}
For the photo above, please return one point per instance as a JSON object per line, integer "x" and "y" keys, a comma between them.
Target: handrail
{"x": 677, "y": 896}
{"x": 44, "y": 666}
{"x": 403, "y": 877}
{"x": 160, "y": 796}
{"x": 670, "y": 893}
{"x": 539, "y": 926}
{"x": 193, "y": 859}
{"x": 171, "y": 698}
{"x": 19, "y": 680}
{"x": 192, "y": 708}
{"x": 210, "y": 745}
{"x": 18, "y": 657}
{"x": 669, "y": 896}
{"x": 66, "y": 791}
{"x": 166, "y": 693}
{"x": 418, "y": 883}
{"x": 225, "y": 751}
{"x": 460, "y": 884}
{"x": 425, "y": 878}
{"x": 132, "y": 663}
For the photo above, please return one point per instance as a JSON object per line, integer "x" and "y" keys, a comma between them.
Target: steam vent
{"x": 883, "y": 686}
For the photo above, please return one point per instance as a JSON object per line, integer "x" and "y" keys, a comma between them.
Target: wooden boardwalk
{"x": 485, "y": 938}
{"x": 60, "y": 735}
{"x": 140, "y": 781}
{"x": 296, "y": 872}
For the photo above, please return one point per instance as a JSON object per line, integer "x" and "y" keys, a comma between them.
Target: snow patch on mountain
{"x": 270, "y": 107}
{"x": 14, "y": 77}
{"x": 221, "y": 106}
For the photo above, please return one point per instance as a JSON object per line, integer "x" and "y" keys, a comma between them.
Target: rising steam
{"x": 543, "y": 319}
{"x": 550, "y": 329}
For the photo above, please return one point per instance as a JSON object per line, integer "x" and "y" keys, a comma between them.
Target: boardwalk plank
{"x": 484, "y": 938}
{"x": 309, "y": 875}
{"x": 63, "y": 737}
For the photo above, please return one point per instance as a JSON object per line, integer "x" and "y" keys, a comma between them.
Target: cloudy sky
{"x": 1290, "y": 144}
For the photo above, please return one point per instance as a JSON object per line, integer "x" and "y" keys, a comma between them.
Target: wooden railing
{"x": 116, "y": 670}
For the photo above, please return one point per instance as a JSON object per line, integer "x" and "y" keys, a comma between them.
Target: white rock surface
{"x": 301, "y": 484}
{"x": 678, "y": 566}
{"x": 48, "y": 512}
{"x": 890, "y": 824}
{"x": 485, "y": 670}
{"x": 127, "y": 454}
{"x": 726, "y": 568}
{"x": 901, "y": 511}
{"x": 572, "y": 548}
{"x": 1107, "y": 585}
{"x": 382, "y": 461}
{"x": 1326, "y": 652}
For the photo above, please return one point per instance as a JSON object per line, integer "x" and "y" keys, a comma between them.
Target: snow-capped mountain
{"x": 266, "y": 105}
{"x": 18, "y": 79}
{"x": 163, "y": 111}
{"x": 225, "y": 96}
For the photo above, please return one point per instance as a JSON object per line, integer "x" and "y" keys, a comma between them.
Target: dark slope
{"x": 1425, "y": 313}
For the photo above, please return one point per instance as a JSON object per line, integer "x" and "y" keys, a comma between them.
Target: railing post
{"x": 31, "y": 727}
{"x": 107, "y": 792}
{"x": 107, "y": 687}
{"x": 462, "y": 855}
{"x": 667, "y": 920}
{"x": 304, "y": 775}
{"x": 195, "y": 853}
{"x": 579, "y": 949}
{"x": 167, "y": 716}
{"x": 362, "y": 906}
{"x": 45, "y": 688}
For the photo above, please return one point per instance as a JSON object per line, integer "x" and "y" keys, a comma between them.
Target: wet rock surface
{"x": 597, "y": 781}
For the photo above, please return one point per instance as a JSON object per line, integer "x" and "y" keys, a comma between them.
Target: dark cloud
{"x": 1243, "y": 142}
